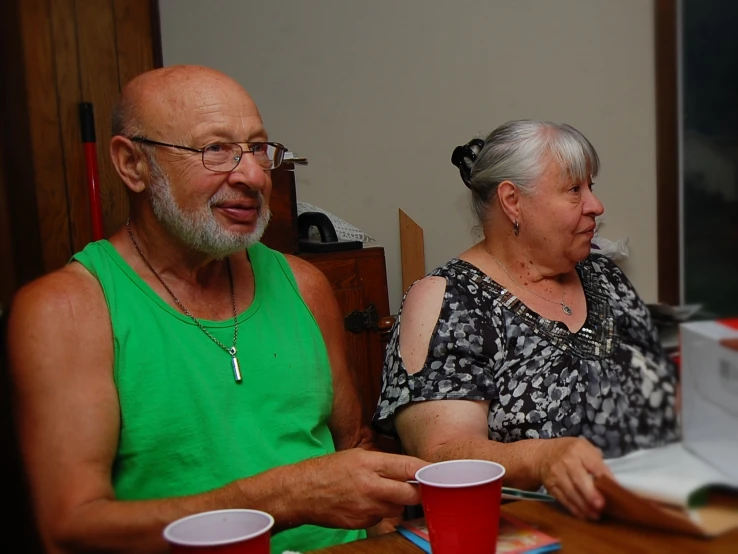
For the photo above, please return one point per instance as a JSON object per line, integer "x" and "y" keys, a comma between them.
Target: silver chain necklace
{"x": 232, "y": 350}
{"x": 564, "y": 308}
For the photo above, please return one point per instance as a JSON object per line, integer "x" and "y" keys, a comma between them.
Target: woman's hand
{"x": 567, "y": 468}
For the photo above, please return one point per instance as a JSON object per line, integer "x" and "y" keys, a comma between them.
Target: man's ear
{"x": 130, "y": 163}
{"x": 509, "y": 197}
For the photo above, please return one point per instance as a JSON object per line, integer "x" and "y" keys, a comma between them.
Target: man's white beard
{"x": 199, "y": 229}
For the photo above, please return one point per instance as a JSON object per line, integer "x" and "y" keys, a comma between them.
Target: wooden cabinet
{"x": 359, "y": 280}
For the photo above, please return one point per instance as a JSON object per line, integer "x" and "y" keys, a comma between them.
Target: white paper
{"x": 668, "y": 474}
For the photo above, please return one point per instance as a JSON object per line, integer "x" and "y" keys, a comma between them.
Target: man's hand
{"x": 353, "y": 489}
{"x": 567, "y": 468}
{"x": 387, "y": 525}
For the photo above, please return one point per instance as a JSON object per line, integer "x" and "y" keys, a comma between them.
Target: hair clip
{"x": 464, "y": 157}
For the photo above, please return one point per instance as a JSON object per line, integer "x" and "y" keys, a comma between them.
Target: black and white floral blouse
{"x": 610, "y": 382}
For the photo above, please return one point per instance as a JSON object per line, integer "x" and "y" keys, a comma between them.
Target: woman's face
{"x": 559, "y": 217}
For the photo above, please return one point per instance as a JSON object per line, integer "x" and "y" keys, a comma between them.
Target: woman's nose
{"x": 593, "y": 205}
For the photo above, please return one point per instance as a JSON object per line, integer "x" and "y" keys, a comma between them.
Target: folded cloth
{"x": 344, "y": 230}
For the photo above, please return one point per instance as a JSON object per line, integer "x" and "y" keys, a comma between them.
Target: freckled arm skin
{"x": 61, "y": 356}
{"x": 452, "y": 429}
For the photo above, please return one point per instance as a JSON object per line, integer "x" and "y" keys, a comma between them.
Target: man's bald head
{"x": 166, "y": 98}
{"x": 172, "y": 112}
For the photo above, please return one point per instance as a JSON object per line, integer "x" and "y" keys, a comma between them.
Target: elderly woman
{"x": 528, "y": 349}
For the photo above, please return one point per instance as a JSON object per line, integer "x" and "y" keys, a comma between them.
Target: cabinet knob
{"x": 385, "y": 324}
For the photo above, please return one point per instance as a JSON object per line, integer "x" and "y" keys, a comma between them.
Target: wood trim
{"x": 43, "y": 152}
{"x": 8, "y": 43}
{"x": 667, "y": 151}
{"x": 68, "y": 91}
{"x": 7, "y": 274}
{"x": 281, "y": 233}
{"x": 158, "y": 56}
{"x": 133, "y": 25}
{"x": 412, "y": 251}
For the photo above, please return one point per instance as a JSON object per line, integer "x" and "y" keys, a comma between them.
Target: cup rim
{"x": 418, "y": 474}
{"x": 248, "y": 536}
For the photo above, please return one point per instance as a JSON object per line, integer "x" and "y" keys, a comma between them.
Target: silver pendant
{"x": 566, "y": 309}
{"x": 234, "y": 364}
{"x": 236, "y": 369}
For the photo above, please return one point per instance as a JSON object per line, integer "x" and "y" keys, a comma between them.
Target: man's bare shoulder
{"x": 65, "y": 312}
{"x": 314, "y": 287}
{"x": 309, "y": 278}
{"x": 69, "y": 291}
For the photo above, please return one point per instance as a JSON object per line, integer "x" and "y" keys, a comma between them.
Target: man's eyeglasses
{"x": 222, "y": 157}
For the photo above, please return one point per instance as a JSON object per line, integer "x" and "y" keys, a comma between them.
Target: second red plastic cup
{"x": 461, "y": 503}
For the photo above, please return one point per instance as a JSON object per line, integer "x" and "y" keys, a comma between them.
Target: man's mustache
{"x": 228, "y": 197}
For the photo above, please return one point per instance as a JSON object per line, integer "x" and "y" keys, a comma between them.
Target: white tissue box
{"x": 709, "y": 377}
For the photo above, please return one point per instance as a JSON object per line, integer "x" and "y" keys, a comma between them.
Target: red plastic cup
{"x": 221, "y": 532}
{"x": 461, "y": 503}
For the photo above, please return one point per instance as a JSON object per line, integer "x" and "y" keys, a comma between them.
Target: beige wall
{"x": 378, "y": 93}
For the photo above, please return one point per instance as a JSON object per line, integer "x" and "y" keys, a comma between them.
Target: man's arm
{"x": 61, "y": 354}
{"x": 346, "y": 422}
{"x": 61, "y": 358}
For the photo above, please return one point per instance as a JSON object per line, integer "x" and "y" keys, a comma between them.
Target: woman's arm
{"x": 457, "y": 429}
{"x": 437, "y": 430}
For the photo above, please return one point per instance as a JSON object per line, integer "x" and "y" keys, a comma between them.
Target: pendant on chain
{"x": 232, "y": 350}
{"x": 566, "y": 309}
{"x": 234, "y": 364}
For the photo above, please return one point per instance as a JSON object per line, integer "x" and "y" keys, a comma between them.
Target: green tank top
{"x": 186, "y": 426}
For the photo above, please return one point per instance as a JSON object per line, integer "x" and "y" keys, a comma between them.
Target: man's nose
{"x": 248, "y": 172}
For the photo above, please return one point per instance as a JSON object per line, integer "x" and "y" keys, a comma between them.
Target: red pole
{"x": 87, "y": 121}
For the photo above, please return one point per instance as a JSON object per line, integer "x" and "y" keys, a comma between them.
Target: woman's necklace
{"x": 564, "y": 308}
{"x": 232, "y": 350}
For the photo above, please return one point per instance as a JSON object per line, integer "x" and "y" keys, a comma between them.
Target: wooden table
{"x": 577, "y": 537}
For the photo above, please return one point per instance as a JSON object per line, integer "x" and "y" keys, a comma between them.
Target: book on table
{"x": 671, "y": 488}
{"x": 514, "y": 536}
{"x": 690, "y": 486}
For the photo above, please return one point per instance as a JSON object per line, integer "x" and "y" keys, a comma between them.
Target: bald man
{"x": 181, "y": 366}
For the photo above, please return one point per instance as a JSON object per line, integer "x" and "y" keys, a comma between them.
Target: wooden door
{"x": 56, "y": 55}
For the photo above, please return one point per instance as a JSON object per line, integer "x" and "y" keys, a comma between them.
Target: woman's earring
{"x": 516, "y": 228}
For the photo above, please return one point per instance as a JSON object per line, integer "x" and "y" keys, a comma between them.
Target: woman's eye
{"x": 259, "y": 147}
{"x": 214, "y": 147}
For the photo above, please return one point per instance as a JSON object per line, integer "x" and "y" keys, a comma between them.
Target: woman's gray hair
{"x": 517, "y": 151}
